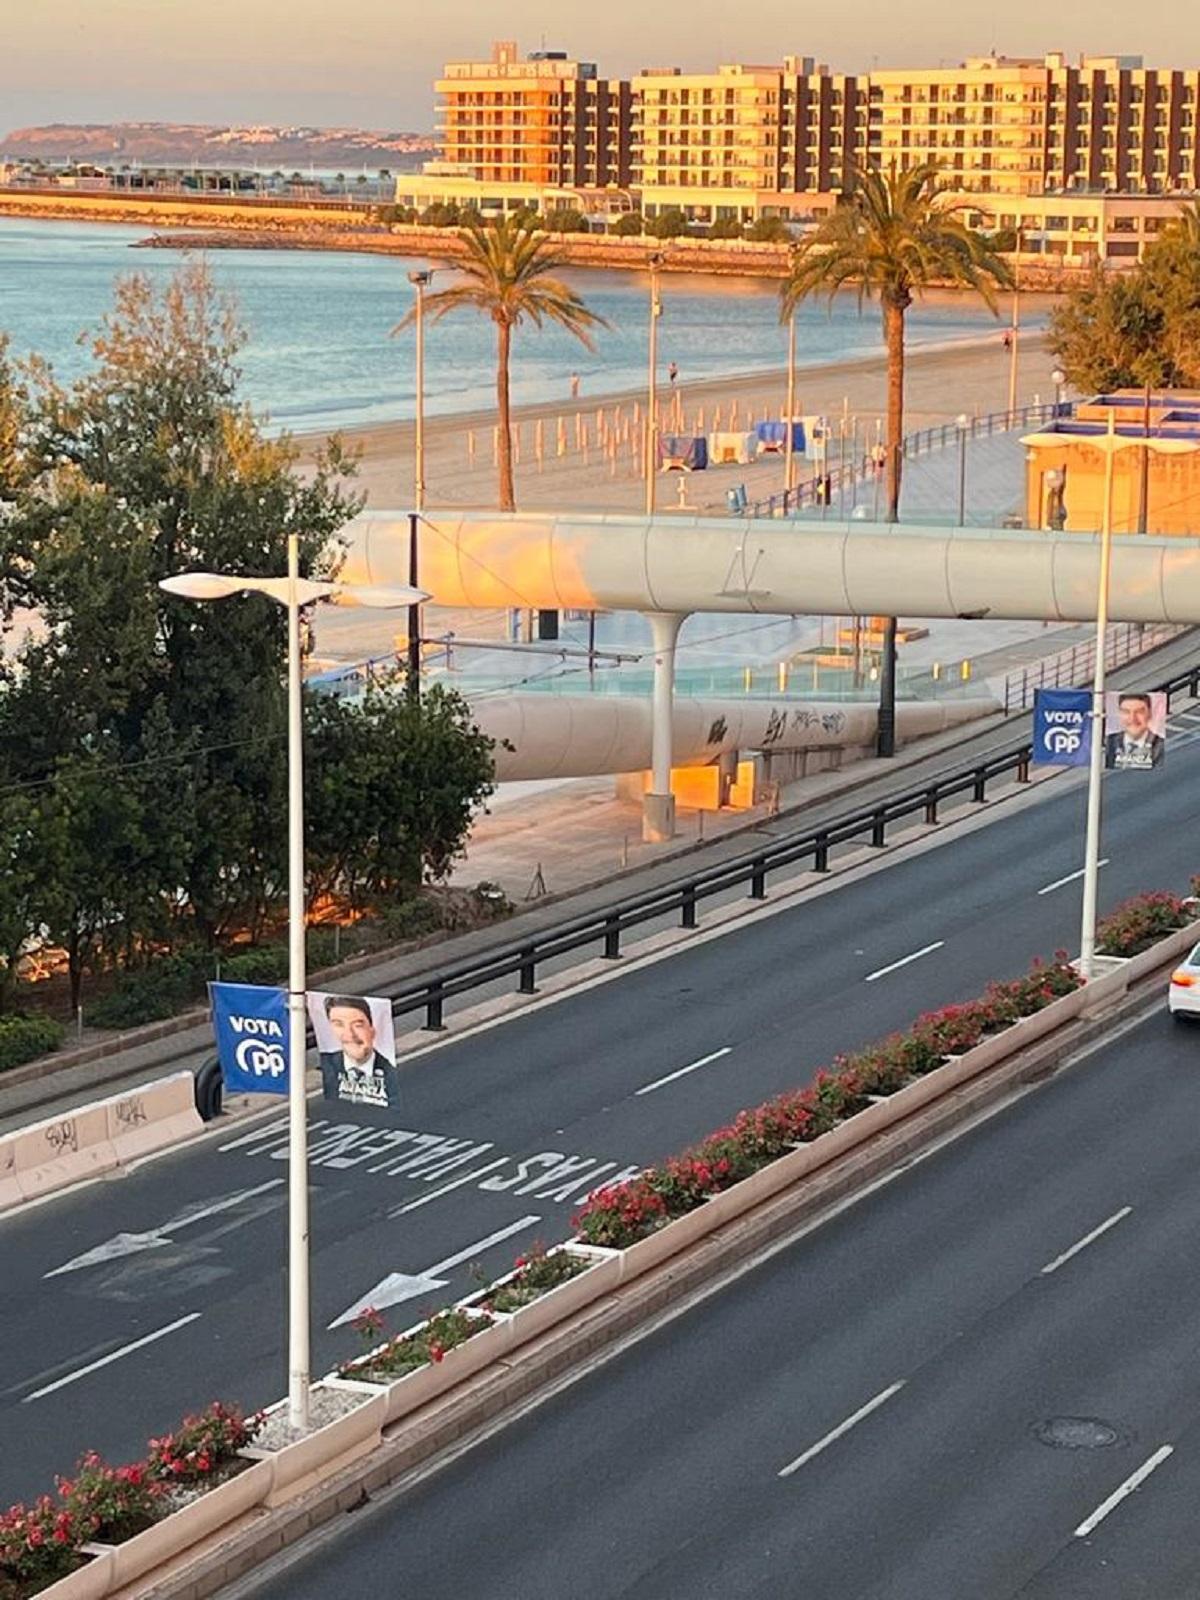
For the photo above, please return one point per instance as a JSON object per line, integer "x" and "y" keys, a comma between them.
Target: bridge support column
{"x": 658, "y": 804}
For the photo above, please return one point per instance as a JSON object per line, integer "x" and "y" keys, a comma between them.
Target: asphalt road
{"x": 173, "y": 1291}
{"x": 959, "y": 1384}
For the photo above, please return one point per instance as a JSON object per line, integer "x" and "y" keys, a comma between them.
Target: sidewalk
{"x": 573, "y": 832}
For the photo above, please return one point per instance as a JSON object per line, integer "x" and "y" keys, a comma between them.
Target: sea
{"x": 320, "y": 352}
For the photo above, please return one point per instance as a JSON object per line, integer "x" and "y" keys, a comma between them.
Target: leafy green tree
{"x": 769, "y": 230}
{"x": 670, "y": 223}
{"x": 727, "y": 228}
{"x": 565, "y": 219}
{"x": 895, "y": 235}
{"x": 391, "y": 784}
{"x": 629, "y": 225}
{"x": 507, "y": 273}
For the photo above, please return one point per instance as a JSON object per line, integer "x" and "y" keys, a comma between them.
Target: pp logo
{"x": 1062, "y": 741}
{"x": 262, "y": 1059}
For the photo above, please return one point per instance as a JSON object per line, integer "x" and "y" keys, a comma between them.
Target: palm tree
{"x": 894, "y": 235}
{"x": 1186, "y": 226}
{"x": 507, "y": 273}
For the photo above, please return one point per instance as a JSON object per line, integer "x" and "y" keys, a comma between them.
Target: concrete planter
{"x": 296, "y": 1466}
{"x": 90, "y": 1582}
{"x": 603, "y": 1274}
{"x": 400, "y": 1396}
{"x": 205, "y": 1515}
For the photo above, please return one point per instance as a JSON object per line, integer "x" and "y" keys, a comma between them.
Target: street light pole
{"x": 788, "y": 474}
{"x": 298, "y": 1291}
{"x": 420, "y": 281}
{"x": 1058, "y": 378}
{"x": 293, "y": 593}
{"x": 1091, "y": 856}
{"x": 963, "y": 423}
{"x": 1014, "y": 334}
{"x": 652, "y": 387}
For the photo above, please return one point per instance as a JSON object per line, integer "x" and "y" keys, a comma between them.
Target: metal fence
{"x": 607, "y": 927}
{"x": 1074, "y": 666}
{"x": 820, "y": 491}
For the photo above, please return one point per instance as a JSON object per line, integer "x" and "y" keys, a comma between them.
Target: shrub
{"x": 110, "y": 1503}
{"x": 628, "y": 225}
{"x": 538, "y": 1272}
{"x": 1140, "y": 922}
{"x": 38, "y": 1544}
{"x": 201, "y": 1445}
{"x": 410, "y": 919}
{"x": 726, "y": 228}
{"x": 23, "y": 1038}
{"x": 621, "y": 1214}
{"x": 404, "y": 1354}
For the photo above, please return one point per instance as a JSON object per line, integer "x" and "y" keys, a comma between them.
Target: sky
{"x": 370, "y": 63}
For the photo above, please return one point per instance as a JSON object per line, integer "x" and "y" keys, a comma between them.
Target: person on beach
{"x": 673, "y": 373}
{"x": 1007, "y": 339}
{"x": 574, "y": 386}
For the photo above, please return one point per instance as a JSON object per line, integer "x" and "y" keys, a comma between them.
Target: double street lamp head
{"x": 304, "y": 591}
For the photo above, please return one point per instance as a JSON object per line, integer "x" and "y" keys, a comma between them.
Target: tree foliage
{"x": 142, "y": 737}
{"x": 1136, "y": 328}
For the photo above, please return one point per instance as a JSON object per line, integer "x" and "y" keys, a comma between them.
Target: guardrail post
{"x": 821, "y": 853}
{"x": 758, "y": 879}
{"x": 931, "y": 807}
{"x": 979, "y": 792}
{"x": 528, "y": 973}
{"x": 878, "y": 828}
{"x": 1023, "y": 767}
{"x": 687, "y": 917}
{"x": 433, "y": 1008}
{"x": 612, "y": 938}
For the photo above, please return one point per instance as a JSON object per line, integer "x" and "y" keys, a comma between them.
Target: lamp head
{"x": 1058, "y": 377}
{"x": 202, "y": 585}
{"x": 962, "y": 422}
{"x": 421, "y": 279}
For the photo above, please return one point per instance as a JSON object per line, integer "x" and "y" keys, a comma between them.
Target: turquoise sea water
{"x": 319, "y": 354}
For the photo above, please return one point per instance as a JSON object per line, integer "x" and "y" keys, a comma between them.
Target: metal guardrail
{"x": 820, "y": 491}
{"x": 607, "y": 927}
{"x": 1077, "y": 662}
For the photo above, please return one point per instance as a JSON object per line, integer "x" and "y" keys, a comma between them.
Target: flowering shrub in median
{"x": 404, "y": 1354}
{"x": 622, "y": 1214}
{"x": 40, "y": 1543}
{"x": 201, "y": 1446}
{"x": 1141, "y": 922}
{"x": 538, "y": 1271}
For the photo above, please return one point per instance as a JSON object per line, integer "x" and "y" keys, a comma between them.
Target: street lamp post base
{"x": 658, "y": 818}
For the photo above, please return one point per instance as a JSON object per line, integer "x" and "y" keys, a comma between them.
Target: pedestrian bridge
{"x": 669, "y": 566}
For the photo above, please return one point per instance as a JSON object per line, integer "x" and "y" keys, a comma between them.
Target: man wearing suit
{"x": 357, "y": 1072}
{"x": 1136, "y": 745}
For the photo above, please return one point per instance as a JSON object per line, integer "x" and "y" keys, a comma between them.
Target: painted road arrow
{"x": 129, "y": 1244}
{"x": 400, "y": 1286}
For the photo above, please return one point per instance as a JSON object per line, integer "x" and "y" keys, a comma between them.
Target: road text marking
{"x": 104, "y": 1361}
{"x": 455, "y": 1183}
{"x": 1070, "y": 877}
{"x": 904, "y": 960}
{"x": 1127, "y": 1488}
{"x": 1088, "y": 1238}
{"x": 683, "y": 1071}
{"x": 842, "y": 1427}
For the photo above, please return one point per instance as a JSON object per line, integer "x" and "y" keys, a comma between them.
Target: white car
{"x": 1183, "y": 995}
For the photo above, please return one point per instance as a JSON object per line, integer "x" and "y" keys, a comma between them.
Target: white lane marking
{"x": 400, "y": 1286}
{"x": 104, "y": 1361}
{"x": 647, "y": 1088}
{"x": 1070, "y": 877}
{"x": 925, "y": 950}
{"x": 1088, "y": 1238}
{"x": 128, "y": 1244}
{"x": 1127, "y": 1488}
{"x": 455, "y": 1183}
{"x": 843, "y": 1427}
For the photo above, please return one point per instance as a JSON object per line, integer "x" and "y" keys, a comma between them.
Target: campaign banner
{"x": 251, "y": 1025}
{"x": 356, "y": 1045}
{"x": 1062, "y": 727}
{"x": 1135, "y": 730}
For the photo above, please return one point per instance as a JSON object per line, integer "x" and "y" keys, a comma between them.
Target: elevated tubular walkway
{"x": 668, "y": 566}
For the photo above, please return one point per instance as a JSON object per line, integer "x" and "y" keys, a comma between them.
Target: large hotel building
{"x": 1087, "y": 160}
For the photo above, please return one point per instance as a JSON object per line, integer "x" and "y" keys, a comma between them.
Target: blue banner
{"x": 251, "y": 1025}
{"x": 1062, "y": 727}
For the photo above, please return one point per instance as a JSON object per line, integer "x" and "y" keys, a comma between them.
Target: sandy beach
{"x": 969, "y": 376}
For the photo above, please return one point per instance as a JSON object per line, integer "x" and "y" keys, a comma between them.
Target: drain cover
{"x": 1075, "y": 1433}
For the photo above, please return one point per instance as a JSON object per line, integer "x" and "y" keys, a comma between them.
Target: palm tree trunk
{"x": 508, "y": 499}
{"x": 893, "y": 325}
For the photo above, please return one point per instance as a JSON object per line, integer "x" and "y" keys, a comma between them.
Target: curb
{"x": 704, "y": 1262}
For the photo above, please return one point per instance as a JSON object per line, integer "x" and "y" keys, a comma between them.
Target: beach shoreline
{"x": 943, "y": 380}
